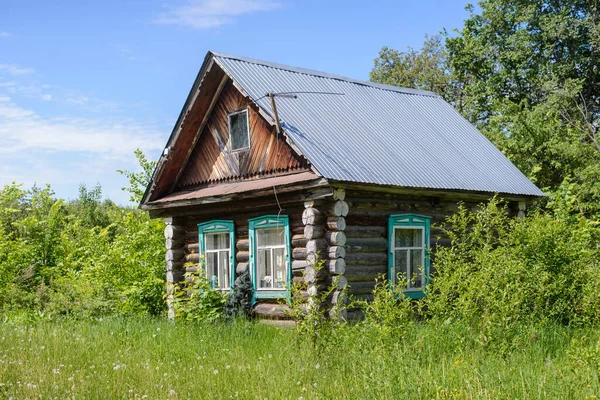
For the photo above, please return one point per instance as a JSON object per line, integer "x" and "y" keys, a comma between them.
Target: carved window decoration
{"x": 216, "y": 240}
{"x": 270, "y": 256}
{"x": 408, "y": 258}
{"x": 239, "y": 134}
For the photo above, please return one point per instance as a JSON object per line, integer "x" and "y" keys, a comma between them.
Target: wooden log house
{"x": 270, "y": 167}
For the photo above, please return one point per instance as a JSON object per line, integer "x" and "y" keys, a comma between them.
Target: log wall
{"x": 367, "y": 227}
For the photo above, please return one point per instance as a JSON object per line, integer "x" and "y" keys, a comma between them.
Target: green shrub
{"x": 503, "y": 274}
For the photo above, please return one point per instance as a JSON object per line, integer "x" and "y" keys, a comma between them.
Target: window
{"x": 270, "y": 256}
{"x": 216, "y": 240}
{"x": 239, "y": 137}
{"x": 408, "y": 259}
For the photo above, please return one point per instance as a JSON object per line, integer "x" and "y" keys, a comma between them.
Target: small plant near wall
{"x": 196, "y": 300}
{"x": 391, "y": 313}
{"x": 307, "y": 306}
{"x": 239, "y": 301}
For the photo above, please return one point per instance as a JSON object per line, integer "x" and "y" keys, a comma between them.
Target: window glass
{"x": 409, "y": 237}
{"x": 238, "y": 130}
{"x": 217, "y": 252}
{"x": 416, "y": 269}
{"x": 271, "y": 258}
{"x": 270, "y": 237}
{"x": 408, "y": 265}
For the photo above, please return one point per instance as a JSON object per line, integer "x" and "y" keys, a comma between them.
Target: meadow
{"x": 139, "y": 358}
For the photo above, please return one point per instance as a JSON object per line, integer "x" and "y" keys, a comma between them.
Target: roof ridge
{"x": 325, "y": 75}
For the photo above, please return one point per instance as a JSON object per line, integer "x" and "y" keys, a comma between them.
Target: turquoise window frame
{"x": 262, "y": 222}
{"x": 410, "y": 221}
{"x": 218, "y": 226}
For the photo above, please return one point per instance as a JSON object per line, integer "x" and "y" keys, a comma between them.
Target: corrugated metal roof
{"x": 376, "y": 133}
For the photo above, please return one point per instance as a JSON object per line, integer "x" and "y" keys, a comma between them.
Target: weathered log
{"x": 297, "y": 230}
{"x": 366, "y": 258}
{"x": 316, "y": 246}
{"x": 174, "y": 276}
{"x": 312, "y": 216}
{"x": 192, "y": 247}
{"x": 338, "y": 209}
{"x": 339, "y": 194}
{"x": 299, "y": 253}
{"x": 174, "y": 265}
{"x": 270, "y": 310}
{"x": 336, "y": 252}
{"x": 336, "y": 238}
{"x": 361, "y": 287}
{"x": 299, "y": 264}
{"x": 314, "y": 231}
{"x": 366, "y": 245}
{"x": 192, "y": 258}
{"x": 192, "y": 270}
{"x": 353, "y": 231}
{"x": 312, "y": 203}
{"x": 365, "y": 273}
{"x": 299, "y": 240}
{"x": 173, "y": 232}
{"x": 242, "y": 244}
{"x": 336, "y": 223}
{"x": 174, "y": 255}
{"x": 337, "y": 266}
{"x": 240, "y": 268}
{"x": 174, "y": 243}
{"x": 312, "y": 275}
{"x": 242, "y": 256}
{"x": 338, "y": 281}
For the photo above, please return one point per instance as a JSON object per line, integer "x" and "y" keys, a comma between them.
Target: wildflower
{"x": 228, "y": 366}
{"x": 165, "y": 374}
{"x": 216, "y": 371}
{"x": 70, "y": 378}
{"x": 172, "y": 392}
{"x": 154, "y": 335}
{"x": 56, "y": 371}
{"x": 270, "y": 355}
{"x": 158, "y": 329}
{"x": 92, "y": 366}
{"x": 43, "y": 347}
{"x": 116, "y": 367}
{"x": 318, "y": 366}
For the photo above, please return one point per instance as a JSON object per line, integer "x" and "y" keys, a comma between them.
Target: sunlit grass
{"x": 143, "y": 358}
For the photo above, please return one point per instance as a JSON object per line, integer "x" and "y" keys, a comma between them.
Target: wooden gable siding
{"x": 212, "y": 161}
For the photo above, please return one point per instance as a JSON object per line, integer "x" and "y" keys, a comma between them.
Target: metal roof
{"x": 376, "y": 133}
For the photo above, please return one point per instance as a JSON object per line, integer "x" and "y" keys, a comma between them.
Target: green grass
{"x": 142, "y": 358}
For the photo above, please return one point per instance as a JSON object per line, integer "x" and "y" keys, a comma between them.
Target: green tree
{"x": 138, "y": 180}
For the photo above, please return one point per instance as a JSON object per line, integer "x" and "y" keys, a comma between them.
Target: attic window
{"x": 239, "y": 137}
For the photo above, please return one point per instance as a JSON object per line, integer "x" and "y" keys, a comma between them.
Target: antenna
{"x": 285, "y": 95}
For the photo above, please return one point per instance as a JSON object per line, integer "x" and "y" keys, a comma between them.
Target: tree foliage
{"x": 527, "y": 74}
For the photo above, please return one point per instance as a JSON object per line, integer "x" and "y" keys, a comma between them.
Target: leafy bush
{"x": 503, "y": 274}
{"x": 196, "y": 300}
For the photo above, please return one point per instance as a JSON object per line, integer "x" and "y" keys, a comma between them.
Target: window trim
{"x": 269, "y": 221}
{"x": 218, "y": 226}
{"x": 245, "y": 110}
{"x": 409, "y": 221}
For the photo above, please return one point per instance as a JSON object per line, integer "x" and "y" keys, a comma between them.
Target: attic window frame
{"x": 244, "y": 110}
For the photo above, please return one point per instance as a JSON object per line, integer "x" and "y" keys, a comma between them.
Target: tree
{"x": 138, "y": 181}
{"x": 425, "y": 69}
{"x": 527, "y": 74}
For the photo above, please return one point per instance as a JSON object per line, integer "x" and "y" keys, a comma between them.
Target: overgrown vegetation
{"x": 513, "y": 309}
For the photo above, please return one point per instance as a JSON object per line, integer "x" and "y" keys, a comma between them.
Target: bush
{"x": 503, "y": 274}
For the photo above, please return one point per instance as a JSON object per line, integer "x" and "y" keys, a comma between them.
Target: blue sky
{"x": 84, "y": 83}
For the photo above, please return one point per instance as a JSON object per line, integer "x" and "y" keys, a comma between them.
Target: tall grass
{"x": 146, "y": 358}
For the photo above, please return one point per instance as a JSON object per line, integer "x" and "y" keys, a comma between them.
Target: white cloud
{"x": 22, "y": 130}
{"x": 4, "y": 34}
{"x": 12, "y": 69}
{"x": 213, "y": 13}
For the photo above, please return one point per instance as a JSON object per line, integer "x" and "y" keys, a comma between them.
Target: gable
{"x": 212, "y": 159}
